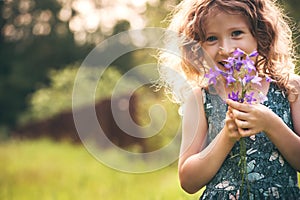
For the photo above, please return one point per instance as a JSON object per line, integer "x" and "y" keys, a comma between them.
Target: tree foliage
{"x": 31, "y": 45}
{"x": 39, "y": 36}
{"x": 57, "y": 96}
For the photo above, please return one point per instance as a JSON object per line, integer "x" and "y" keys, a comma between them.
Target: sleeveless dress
{"x": 269, "y": 175}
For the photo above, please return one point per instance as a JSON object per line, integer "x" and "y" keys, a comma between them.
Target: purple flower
{"x": 234, "y": 96}
{"x": 247, "y": 79}
{"x": 249, "y": 64}
{"x": 238, "y": 53}
{"x": 268, "y": 79}
{"x": 256, "y": 80}
{"x": 262, "y": 98}
{"x": 230, "y": 79}
{"x": 221, "y": 72}
{"x": 230, "y": 63}
{"x": 212, "y": 76}
{"x": 253, "y": 54}
{"x": 238, "y": 72}
{"x": 233, "y": 63}
{"x": 249, "y": 97}
{"x": 239, "y": 64}
{"x": 228, "y": 66}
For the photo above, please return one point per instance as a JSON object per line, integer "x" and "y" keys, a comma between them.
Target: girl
{"x": 212, "y": 127}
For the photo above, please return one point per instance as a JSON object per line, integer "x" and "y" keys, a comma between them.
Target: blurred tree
{"x": 40, "y": 35}
{"x": 157, "y": 14}
{"x": 37, "y": 36}
{"x": 31, "y": 44}
{"x": 56, "y": 97}
{"x": 292, "y": 8}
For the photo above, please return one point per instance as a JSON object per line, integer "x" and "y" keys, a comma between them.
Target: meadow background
{"x": 45, "y": 170}
{"x": 48, "y": 170}
{"x": 42, "y": 45}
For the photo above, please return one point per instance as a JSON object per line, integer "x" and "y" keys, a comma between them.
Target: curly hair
{"x": 267, "y": 24}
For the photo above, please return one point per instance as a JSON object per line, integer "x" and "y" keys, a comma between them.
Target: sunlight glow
{"x": 89, "y": 20}
{"x": 91, "y": 17}
{"x": 65, "y": 14}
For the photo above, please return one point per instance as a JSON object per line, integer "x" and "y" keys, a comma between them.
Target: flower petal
{"x": 238, "y": 53}
{"x": 253, "y": 54}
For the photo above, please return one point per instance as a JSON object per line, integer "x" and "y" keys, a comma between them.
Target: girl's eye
{"x": 236, "y": 33}
{"x": 211, "y": 39}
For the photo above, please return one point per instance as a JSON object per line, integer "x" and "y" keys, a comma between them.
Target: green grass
{"x": 46, "y": 170}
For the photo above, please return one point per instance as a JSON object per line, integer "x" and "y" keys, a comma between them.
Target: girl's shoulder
{"x": 295, "y": 101}
{"x": 196, "y": 93}
{"x": 195, "y": 99}
{"x": 294, "y": 84}
{"x": 295, "y": 81}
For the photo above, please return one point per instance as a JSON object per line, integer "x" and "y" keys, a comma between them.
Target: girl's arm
{"x": 252, "y": 119}
{"x": 295, "y": 106}
{"x": 198, "y": 163}
{"x": 289, "y": 142}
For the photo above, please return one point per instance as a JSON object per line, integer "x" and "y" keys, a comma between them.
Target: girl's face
{"x": 226, "y": 32}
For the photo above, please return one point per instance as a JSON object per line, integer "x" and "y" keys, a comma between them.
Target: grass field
{"x": 45, "y": 170}
{"x": 42, "y": 170}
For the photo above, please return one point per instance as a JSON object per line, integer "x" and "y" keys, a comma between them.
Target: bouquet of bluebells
{"x": 240, "y": 74}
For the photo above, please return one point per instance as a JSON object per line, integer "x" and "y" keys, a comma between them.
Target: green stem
{"x": 243, "y": 157}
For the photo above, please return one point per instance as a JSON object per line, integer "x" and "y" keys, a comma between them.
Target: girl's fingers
{"x": 239, "y": 115}
{"x": 233, "y": 132}
{"x": 244, "y": 107}
{"x": 242, "y": 124}
{"x": 243, "y": 127}
{"x": 246, "y": 132}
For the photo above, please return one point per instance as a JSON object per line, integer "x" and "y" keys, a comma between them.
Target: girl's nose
{"x": 223, "y": 51}
{"x": 226, "y": 47}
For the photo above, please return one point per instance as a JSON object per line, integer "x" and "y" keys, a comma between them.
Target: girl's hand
{"x": 250, "y": 118}
{"x": 231, "y": 127}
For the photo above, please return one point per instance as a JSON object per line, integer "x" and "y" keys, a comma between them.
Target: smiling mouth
{"x": 222, "y": 63}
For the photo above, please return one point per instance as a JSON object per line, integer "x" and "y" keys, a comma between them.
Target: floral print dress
{"x": 269, "y": 175}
